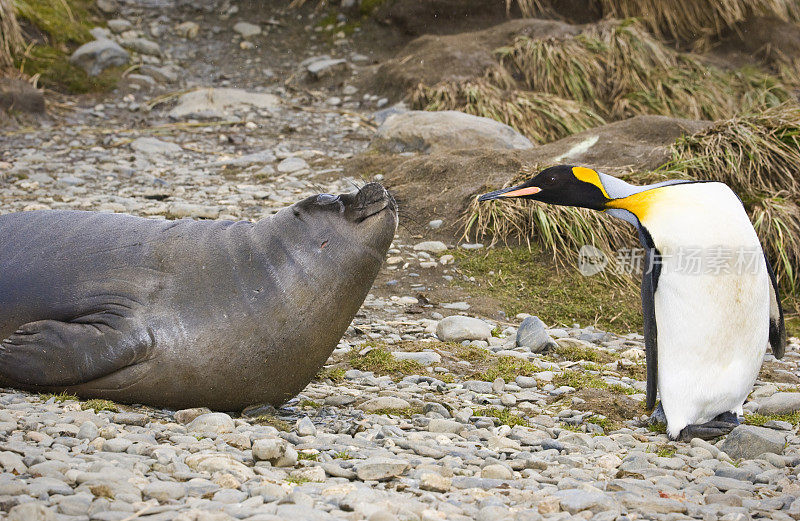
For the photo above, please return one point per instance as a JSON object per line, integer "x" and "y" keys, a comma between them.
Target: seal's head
{"x": 362, "y": 221}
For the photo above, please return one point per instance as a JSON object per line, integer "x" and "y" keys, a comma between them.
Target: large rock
{"x": 20, "y": 96}
{"x": 247, "y": 30}
{"x": 749, "y": 441}
{"x": 780, "y": 403}
{"x": 96, "y": 56}
{"x": 578, "y": 500}
{"x": 423, "y": 131}
{"x": 457, "y": 329}
{"x": 221, "y": 103}
{"x": 532, "y": 335}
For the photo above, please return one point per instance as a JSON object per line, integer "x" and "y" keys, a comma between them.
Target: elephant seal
{"x": 185, "y": 313}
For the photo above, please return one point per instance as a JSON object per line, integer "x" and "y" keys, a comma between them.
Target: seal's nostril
{"x": 327, "y": 198}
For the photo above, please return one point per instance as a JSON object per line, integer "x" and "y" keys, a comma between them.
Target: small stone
{"x": 384, "y": 402}
{"x": 188, "y": 30}
{"x": 216, "y": 422}
{"x": 421, "y": 357}
{"x": 117, "y": 445}
{"x": 431, "y": 246}
{"x": 445, "y": 425}
{"x": 313, "y": 474}
{"x": 119, "y": 25}
{"x": 435, "y": 224}
{"x": 185, "y": 416}
{"x": 98, "y": 55}
{"x": 496, "y": 472}
{"x": 164, "y": 490}
{"x": 108, "y": 6}
{"x": 434, "y": 482}
{"x": 276, "y": 451}
{"x": 458, "y": 306}
{"x": 305, "y": 427}
{"x": 154, "y": 146}
{"x": 498, "y": 385}
{"x": 532, "y": 335}
{"x": 577, "y": 500}
{"x": 292, "y": 164}
{"x": 324, "y": 66}
{"x": 131, "y": 418}
{"x": 749, "y": 441}
{"x": 508, "y": 400}
{"x": 34, "y": 511}
{"x": 380, "y": 468}
{"x": 246, "y": 29}
{"x": 549, "y": 505}
{"x": 142, "y": 46}
{"x": 88, "y": 431}
{"x": 457, "y": 328}
{"x": 526, "y": 382}
{"x": 780, "y": 403}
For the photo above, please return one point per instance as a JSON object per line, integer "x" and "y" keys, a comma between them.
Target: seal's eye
{"x": 327, "y": 198}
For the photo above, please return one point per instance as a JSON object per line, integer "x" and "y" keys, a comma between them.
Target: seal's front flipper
{"x": 52, "y": 353}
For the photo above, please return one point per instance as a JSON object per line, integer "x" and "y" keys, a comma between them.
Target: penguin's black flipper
{"x": 652, "y": 270}
{"x": 777, "y": 330}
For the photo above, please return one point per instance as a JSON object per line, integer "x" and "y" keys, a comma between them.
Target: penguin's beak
{"x": 514, "y": 191}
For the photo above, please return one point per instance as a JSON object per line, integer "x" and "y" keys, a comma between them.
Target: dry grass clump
{"x": 541, "y": 117}
{"x": 620, "y": 70}
{"x": 686, "y": 20}
{"x": 11, "y": 41}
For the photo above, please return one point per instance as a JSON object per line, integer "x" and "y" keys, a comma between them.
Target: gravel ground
{"x": 417, "y": 416}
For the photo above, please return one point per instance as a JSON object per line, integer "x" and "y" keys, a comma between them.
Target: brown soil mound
{"x": 770, "y": 39}
{"x": 418, "y": 17}
{"x": 441, "y": 185}
{"x": 433, "y": 59}
{"x": 616, "y": 407}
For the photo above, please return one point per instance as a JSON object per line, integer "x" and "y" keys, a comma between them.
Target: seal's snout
{"x": 370, "y": 200}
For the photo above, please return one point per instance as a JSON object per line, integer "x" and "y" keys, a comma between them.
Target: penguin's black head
{"x": 563, "y": 185}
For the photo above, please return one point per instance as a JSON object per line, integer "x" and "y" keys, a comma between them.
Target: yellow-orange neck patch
{"x": 638, "y": 204}
{"x": 587, "y": 175}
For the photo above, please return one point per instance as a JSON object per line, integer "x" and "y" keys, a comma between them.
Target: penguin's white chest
{"x": 711, "y": 301}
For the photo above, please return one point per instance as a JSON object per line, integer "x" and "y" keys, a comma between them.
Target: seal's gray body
{"x": 185, "y": 313}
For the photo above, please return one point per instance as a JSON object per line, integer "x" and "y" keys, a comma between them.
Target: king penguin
{"x": 706, "y": 330}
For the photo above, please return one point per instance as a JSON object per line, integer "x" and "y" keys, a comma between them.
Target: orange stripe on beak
{"x": 531, "y": 190}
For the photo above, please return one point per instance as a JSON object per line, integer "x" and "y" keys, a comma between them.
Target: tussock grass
{"x": 99, "y": 405}
{"x": 618, "y": 69}
{"x": 540, "y": 116}
{"x": 502, "y": 417}
{"x": 687, "y": 20}
{"x": 11, "y": 41}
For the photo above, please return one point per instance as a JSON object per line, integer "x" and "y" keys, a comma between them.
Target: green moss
{"x": 579, "y": 380}
{"x": 272, "y": 421}
{"x": 522, "y": 281}
{"x": 57, "y": 73}
{"x": 502, "y": 416}
{"x": 336, "y": 374}
{"x": 761, "y": 419}
{"x": 310, "y": 403}
{"x": 659, "y": 428}
{"x": 100, "y": 405}
{"x": 507, "y": 368}
{"x": 621, "y": 389}
{"x": 343, "y": 455}
{"x": 368, "y": 6}
{"x": 406, "y": 412}
{"x": 309, "y": 456}
{"x": 666, "y": 451}
{"x": 60, "y": 397}
{"x": 471, "y": 353}
{"x": 606, "y": 423}
{"x": 447, "y": 378}
{"x": 381, "y": 362}
{"x": 296, "y": 481}
{"x": 60, "y": 21}
{"x": 576, "y": 353}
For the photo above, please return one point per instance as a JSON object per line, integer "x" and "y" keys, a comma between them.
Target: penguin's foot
{"x": 721, "y": 425}
{"x": 658, "y": 416}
